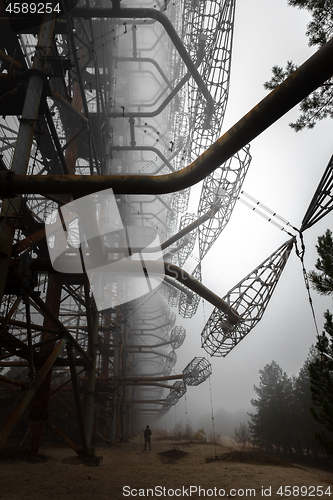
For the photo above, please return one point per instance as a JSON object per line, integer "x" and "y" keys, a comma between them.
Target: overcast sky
{"x": 285, "y": 170}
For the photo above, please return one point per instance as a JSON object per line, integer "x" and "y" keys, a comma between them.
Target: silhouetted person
{"x": 147, "y": 434}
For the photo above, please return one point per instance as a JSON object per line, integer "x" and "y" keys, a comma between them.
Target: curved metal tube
{"x": 126, "y": 267}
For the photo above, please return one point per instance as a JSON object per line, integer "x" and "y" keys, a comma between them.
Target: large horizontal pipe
{"x": 146, "y": 379}
{"x": 110, "y": 386}
{"x": 130, "y": 267}
{"x": 313, "y": 73}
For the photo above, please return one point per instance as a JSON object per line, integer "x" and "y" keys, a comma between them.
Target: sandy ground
{"x": 127, "y": 472}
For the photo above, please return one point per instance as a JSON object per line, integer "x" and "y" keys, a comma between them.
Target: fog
{"x": 285, "y": 171}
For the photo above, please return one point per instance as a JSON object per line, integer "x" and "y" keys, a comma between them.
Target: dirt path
{"x": 127, "y": 472}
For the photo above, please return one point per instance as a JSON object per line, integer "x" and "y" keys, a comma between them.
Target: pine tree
{"x": 321, "y": 375}
{"x": 283, "y": 421}
{"x": 304, "y": 424}
{"x": 270, "y": 426}
{"x": 319, "y": 104}
{"x": 322, "y": 282}
{"x": 321, "y": 370}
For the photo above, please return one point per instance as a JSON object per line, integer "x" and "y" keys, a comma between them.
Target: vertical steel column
{"x": 115, "y": 392}
{"x": 11, "y": 208}
{"x": 39, "y": 415}
{"x": 93, "y": 339}
{"x": 31, "y": 352}
{"x": 76, "y": 391}
{"x": 105, "y": 355}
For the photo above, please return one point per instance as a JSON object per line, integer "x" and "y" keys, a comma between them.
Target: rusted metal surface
{"x": 23, "y": 403}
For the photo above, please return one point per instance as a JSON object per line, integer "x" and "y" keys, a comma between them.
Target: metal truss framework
{"x": 112, "y": 98}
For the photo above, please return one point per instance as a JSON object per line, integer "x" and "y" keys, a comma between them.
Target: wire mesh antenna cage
{"x": 179, "y": 389}
{"x": 197, "y": 371}
{"x": 322, "y": 201}
{"x": 180, "y": 200}
{"x": 172, "y": 295}
{"x": 177, "y": 336}
{"x": 187, "y": 242}
{"x": 208, "y": 34}
{"x": 188, "y": 305}
{"x": 171, "y": 359}
{"x": 220, "y": 191}
{"x": 249, "y": 298}
{"x": 176, "y": 392}
{"x": 170, "y": 320}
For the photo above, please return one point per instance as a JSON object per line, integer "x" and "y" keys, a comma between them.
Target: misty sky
{"x": 285, "y": 171}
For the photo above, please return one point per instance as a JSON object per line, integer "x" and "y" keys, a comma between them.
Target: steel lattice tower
{"x": 129, "y": 97}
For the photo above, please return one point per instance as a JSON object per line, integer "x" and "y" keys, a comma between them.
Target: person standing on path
{"x": 147, "y": 434}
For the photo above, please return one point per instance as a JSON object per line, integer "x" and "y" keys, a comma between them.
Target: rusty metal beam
{"x": 63, "y": 436}
{"x": 23, "y": 324}
{"x": 11, "y": 63}
{"x": 50, "y": 310}
{"x": 39, "y": 407}
{"x": 57, "y": 97}
{"x": 149, "y": 379}
{"x": 13, "y": 363}
{"x": 23, "y": 403}
{"x": 9, "y": 380}
{"x": 49, "y": 424}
